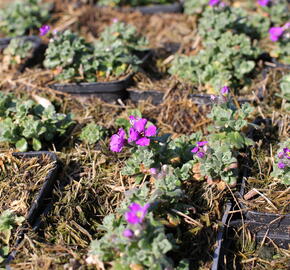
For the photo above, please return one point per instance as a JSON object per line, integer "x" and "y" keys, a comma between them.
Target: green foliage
{"x": 21, "y": 16}
{"x": 282, "y": 174}
{"x": 226, "y": 61}
{"x": 228, "y": 124}
{"x": 278, "y": 11}
{"x": 214, "y": 23}
{"x": 18, "y": 49}
{"x": 147, "y": 248}
{"x": 8, "y": 221}
{"x": 92, "y": 133}
{"x": 132, "y": 3}
{"x": 194, "y": 7}
{"x": 218, "y": 161}
{"x": 24, "y": 123}
{"x": 111, "y": 56}
{"x": 282, "y": 49}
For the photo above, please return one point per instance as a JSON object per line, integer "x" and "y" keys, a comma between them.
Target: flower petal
{"x": 150, "y": 131}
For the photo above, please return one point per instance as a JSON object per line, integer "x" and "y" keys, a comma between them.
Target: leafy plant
{"x": 281, "y": 169}
{"x": 226, "y": 61}
{"x": 194, "y": 7}
{"x": 278, "y": 11}
{"x": 112, "y": 55}
{"x": 17, "y": 50}
{"x": 24, "y": 123}
{"x": 92, "y": 133}
{"x": 19, "y": 17}
{"x": 8, "y": 221}
{"x": 133, "y": 3}
{"x": 281, "y": 51}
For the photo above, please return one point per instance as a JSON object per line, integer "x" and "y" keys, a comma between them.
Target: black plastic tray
{"x": 154, "y": 9}
{"x": 44, "y": 194}
{"x": 107, "y": 91}
{"x": 42, "y": 202}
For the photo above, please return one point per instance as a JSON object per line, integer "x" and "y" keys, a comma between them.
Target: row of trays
{"x": 115, "y": 90}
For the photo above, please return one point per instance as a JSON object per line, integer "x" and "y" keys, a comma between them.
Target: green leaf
{"x": 36, "y": 144}
{"x": 21, "y": 145}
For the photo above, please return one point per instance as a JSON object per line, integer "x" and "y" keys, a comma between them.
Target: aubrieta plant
{"x": 20, "y": 17}
{"x": 25, "y": 124}
{"x": 113, "y": 55}
{"x": 281, "y": 169}
{"x": 8, "y": 222}
{"x": 92, "y": 133}
{"x": 218, "y": 153}
{"x": 133, "y": 238}
{"x": 226, "y": 61}
{"x": 17, "y": 50}
{"x": 194, "y": 7}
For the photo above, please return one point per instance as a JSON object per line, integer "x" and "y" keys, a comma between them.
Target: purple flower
{"x": 263, "y": 3}
{"x": 200, "y": 149}
{"x": 202, "y": 143}
{"x": 153, "y": 171}
{"x": 118, "y": 141}
{"x": 225, "y": 90}
{"x": 281, "y": 165}
{"x": 128, "y": 233}
{"x": 213, "y": 2}
{"x": 138, "y": 133}
{"x": 280, "y": 155}
{"x": 115, "y": 20}
{"x": 136, "y": 213}
{"x": 275, "y": 33}
{"x": 43, "y": 30}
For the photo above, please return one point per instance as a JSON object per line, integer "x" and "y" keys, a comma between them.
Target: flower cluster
{"x": 138, "y": 134}
{"x": 277, "y": 32}
{"x": 284, "y": 158}
{"x": 264, "y": 3}
{"x": 222, "y": 98}
{"x": 135, "y": 216}
{"x": 44, "y": 29}
{"x": 200, "y": 149}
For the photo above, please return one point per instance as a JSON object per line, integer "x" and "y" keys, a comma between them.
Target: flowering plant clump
{"x": 134, "y": 240}
{"x": 194, "y": 7}
{"x": 281, "y": 169}
{"x": 23, "y": 123}
{"x": 20, "y": 17}
{"x": 113, "y": 55}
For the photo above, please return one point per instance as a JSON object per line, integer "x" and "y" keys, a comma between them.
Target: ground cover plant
{"x": 26, "y": 124}
{"x": 112, "y": 56}
{"x": 20, "y": 18}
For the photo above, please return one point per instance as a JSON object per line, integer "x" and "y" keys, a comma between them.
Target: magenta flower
{"x": 281, "y": 165}
{"x": 118, "y": 141}
{"x": 264, "y": 3}
{"x": 213, "y": 2}
{"x": 153, "y": 171}
{"x": 136, "y": 213}
{"x": 275, "y": 33}
{"x": 138, "y": 133}
{"x": 128, "y": 233}
{"x": 43, "y": 30}
{"x": 225, "y": 90}
{"x": 200, "y": 149}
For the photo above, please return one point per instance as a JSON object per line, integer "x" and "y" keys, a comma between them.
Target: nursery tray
{"x": 154, "y": 9}
{"x": 43, "y": 197}
{"x": 107, "y": 91}
{"x": 38, "y": 50}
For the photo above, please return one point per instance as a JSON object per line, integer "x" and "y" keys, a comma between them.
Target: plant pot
{"x": 136, "y": 96}
{"x": 37, "y": 54}
{"x": 154, "y": 9}
{"x": 107, "y": 91}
